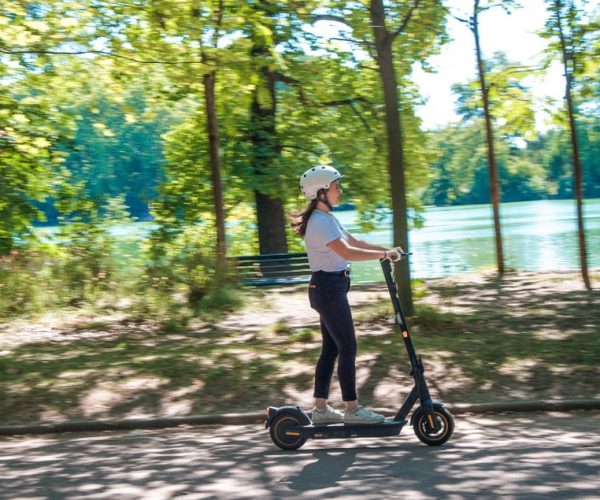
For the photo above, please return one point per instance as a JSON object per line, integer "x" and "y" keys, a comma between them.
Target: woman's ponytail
{"x": 299, "y": 220}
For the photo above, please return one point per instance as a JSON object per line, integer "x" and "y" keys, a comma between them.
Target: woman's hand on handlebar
{"x": 394, "y": 255}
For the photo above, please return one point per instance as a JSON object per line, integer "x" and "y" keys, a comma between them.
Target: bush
{"x": 186, "y": 266}
{"x": 174, "y": 278}
{"x": 25, "y": 282}
{"x": 86, "y": 268}
{"x": 80, "y": 263}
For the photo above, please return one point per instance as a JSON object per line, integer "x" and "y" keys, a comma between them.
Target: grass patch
{"x": 511, "y": 342}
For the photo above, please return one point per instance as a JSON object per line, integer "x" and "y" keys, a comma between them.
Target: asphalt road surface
{"x": 533, "y": 455}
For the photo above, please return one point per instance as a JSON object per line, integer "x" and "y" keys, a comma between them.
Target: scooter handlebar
{"x": 403, "y": 255}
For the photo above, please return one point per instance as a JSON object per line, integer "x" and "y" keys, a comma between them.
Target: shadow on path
{"x": 521, "y": 456}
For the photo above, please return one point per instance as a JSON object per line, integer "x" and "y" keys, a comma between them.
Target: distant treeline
{"x": 130, "y": 162}
{"x": 540, "y": 168}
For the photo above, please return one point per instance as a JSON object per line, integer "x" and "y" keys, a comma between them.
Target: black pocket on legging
{"x": 313, "y": 296}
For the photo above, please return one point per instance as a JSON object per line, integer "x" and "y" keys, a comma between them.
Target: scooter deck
{"x": 388, "y": 427}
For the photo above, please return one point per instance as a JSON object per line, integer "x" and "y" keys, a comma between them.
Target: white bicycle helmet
{"x": 319, "y": 177}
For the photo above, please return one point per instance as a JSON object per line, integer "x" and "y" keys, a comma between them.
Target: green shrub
{"x": 79, "y": 264}
{"x": 25, "y": 282}
{"x": 186, "y": 266}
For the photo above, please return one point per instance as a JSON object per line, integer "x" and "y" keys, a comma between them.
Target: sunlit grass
{"x": 543, "y": 344}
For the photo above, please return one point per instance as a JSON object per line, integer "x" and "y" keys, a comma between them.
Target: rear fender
{"x": 273, "y": 411}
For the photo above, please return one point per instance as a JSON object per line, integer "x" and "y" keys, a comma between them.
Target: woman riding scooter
{"x": 329, "y": 247}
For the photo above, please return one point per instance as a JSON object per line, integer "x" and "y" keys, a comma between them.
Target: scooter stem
{"x": 417, "y": 371}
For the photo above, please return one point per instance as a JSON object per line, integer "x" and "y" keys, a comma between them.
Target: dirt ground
{"x": 525, "y": 336}
{"x": 288, "y": 305}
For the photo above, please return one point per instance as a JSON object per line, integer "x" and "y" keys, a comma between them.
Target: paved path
{"x": 534, "y": 455}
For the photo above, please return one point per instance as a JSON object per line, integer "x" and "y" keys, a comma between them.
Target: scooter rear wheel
{"x": 439, "y": 433}
{"x": 284, "y": 434}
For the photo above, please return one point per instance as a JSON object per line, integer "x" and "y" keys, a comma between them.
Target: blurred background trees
{"x": 204, "y": 114}
{"x": 572, "y": 39}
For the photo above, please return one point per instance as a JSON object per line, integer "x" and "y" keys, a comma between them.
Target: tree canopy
{"x": 102, "y": 99}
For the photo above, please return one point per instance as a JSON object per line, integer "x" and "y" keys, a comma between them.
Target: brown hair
{"x": 300, "y": 219}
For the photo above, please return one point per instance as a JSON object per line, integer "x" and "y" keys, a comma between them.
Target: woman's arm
{"x": 393, "y": 254}
{"x": 358, "y": 243}
{"x": 351, "y": 252}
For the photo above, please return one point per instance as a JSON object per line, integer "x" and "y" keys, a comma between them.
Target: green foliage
{"x": 552, "y": 152}
{"x": 30, "y": 165}
{"x": 510, "y": 100}
{"x": 541, "y": 168}
{"x": 33, "y": 86}
{"x": 578, "y": 27}
{"x": 87, "y": 262}
{"x": 25, "y": 280}
{"x": 86, "y": 138}
{"x": 80, "y": 264}
{"x": 116, "y": 149}
{"x": 186, "y": 191}
{"x": 356, "y": 137}
{"x": 572, "y": 30}
{"x": 241, "y": 231}
{"x": 589, "y": 142}
{"x": 337, "y": 123}
{"x": 89, "y": 265}
{"x": 86, "y": 267}
{"x": 184, "y": 265}
{"x": 460, "y": 160}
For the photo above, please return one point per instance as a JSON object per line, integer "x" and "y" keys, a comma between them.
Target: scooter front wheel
{"x": 284, "y": 431}
{"x": 436, "y": 429}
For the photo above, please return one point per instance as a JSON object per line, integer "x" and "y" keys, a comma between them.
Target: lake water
{"x": 537, "y": 235}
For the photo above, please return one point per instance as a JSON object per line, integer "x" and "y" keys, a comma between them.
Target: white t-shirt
{"x": 323, "y": 228}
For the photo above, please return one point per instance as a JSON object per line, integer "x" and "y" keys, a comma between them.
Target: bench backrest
{"x": 273, "y": 269}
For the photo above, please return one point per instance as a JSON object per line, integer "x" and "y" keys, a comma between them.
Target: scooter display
{"x": 290, "y": 426}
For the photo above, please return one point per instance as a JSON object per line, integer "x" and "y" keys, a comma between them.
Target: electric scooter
{"x": 290, "y": 426}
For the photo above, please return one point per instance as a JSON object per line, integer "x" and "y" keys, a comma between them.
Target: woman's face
{"x": 334, "y": 193}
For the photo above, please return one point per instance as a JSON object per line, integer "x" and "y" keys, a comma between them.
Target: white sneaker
{"x": 362, "y": 416}
{"x": 327, "y": 416}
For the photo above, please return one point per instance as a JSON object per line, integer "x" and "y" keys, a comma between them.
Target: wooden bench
{"x": 273, "y": 269}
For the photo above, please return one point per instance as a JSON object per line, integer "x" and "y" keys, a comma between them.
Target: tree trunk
{"x": 577, "y": 178}
{"x": 270, "y": 211}
{"x": 212, "y": 128}
{"x": 492, "y": 168}
{"x": 271, "y": 224}
{"x": 387, "y": 73}
{"x": 578, "y": 193}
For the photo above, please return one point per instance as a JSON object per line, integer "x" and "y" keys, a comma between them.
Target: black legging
{"x": 327, "y": 294}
